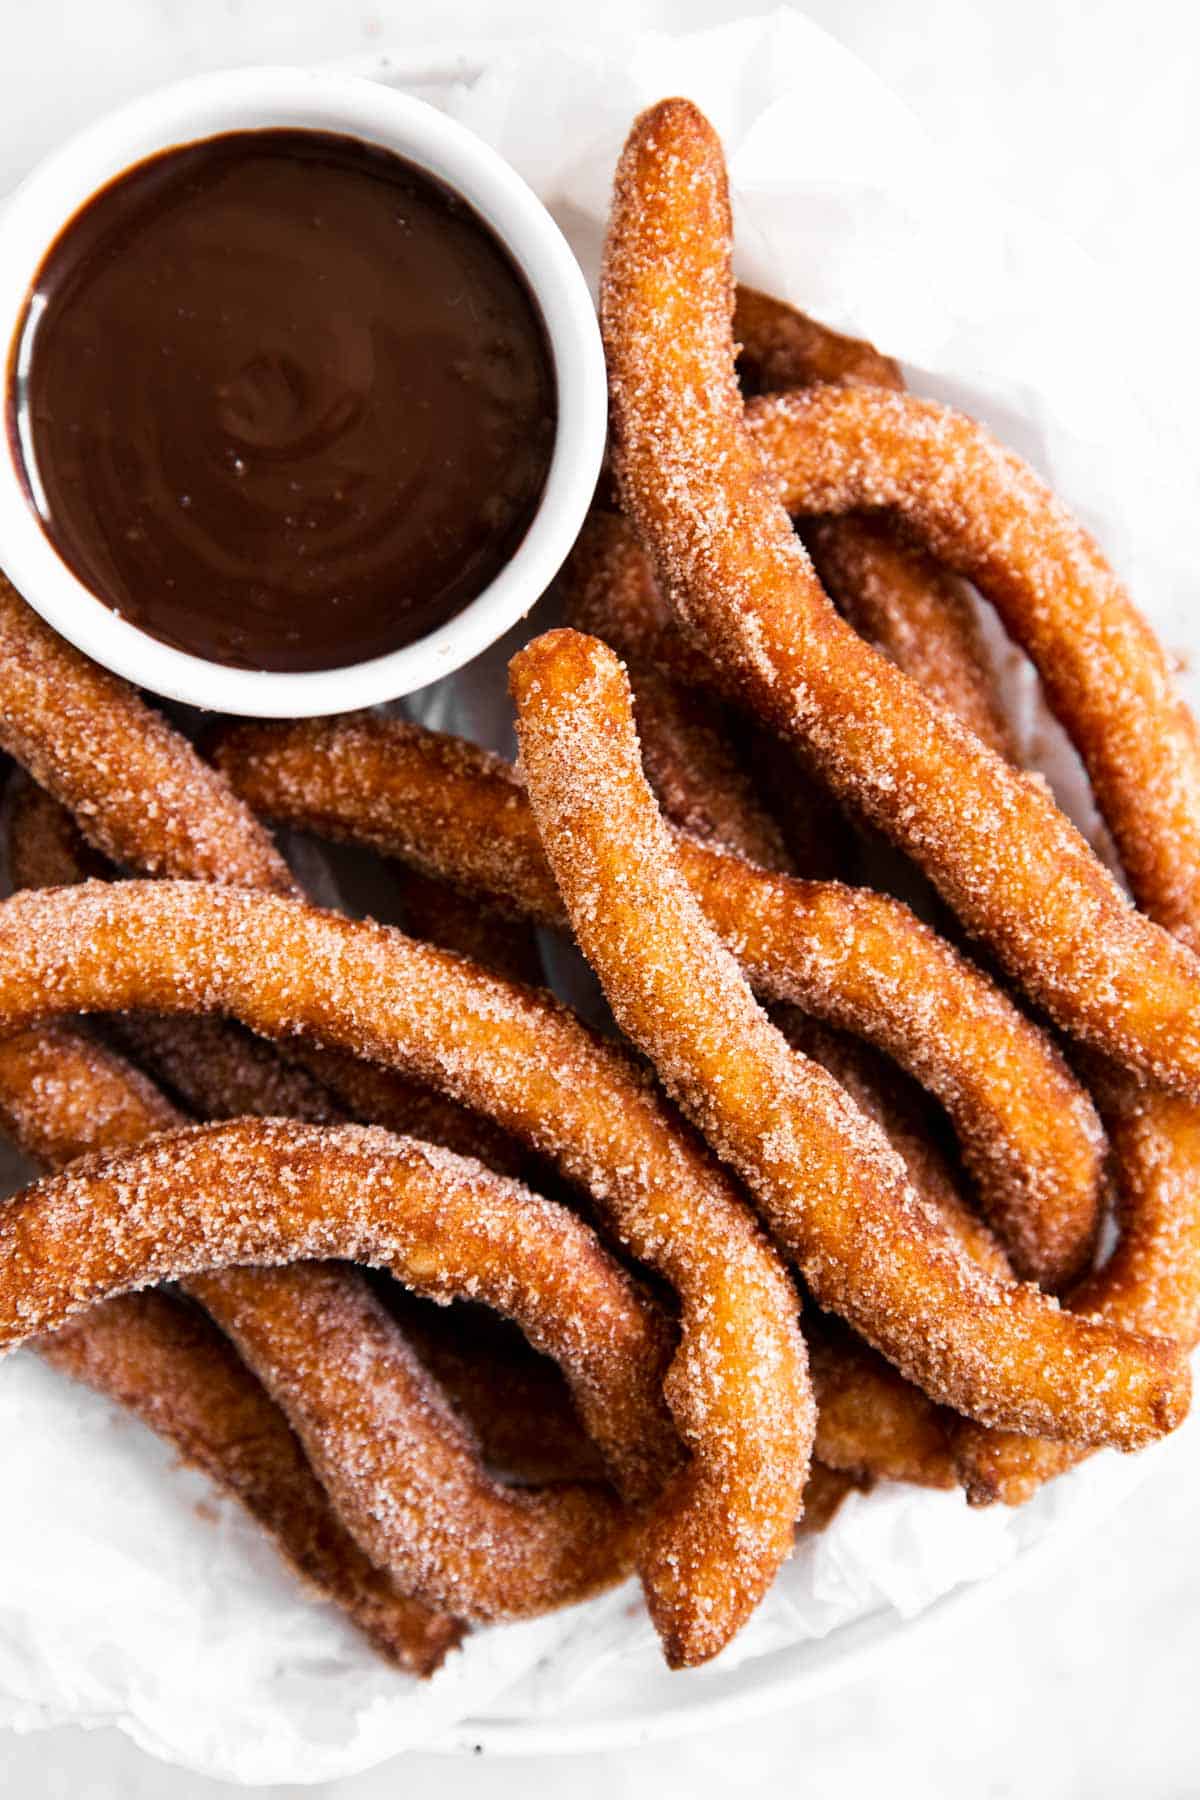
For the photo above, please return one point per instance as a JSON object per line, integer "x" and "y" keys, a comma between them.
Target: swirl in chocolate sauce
{"x": 286, "y": 401}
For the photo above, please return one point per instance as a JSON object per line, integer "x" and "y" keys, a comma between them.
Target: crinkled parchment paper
{"x": 129, "y": 1594}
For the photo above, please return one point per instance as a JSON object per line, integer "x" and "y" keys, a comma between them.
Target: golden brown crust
{"x": 140, "y": 792}
{"x": 871, "y": 1422}
{"x": 165, "y": 1362}
{"x": 894, "y": 595}
{"x": 901, "y": 600}
{"x": 781, "y": 347}
{"x": 266, "y": 1192}
{"x": 687, "y": 748}
{"x": 694, "y": 480}
{"x": 737, "y": 1388}
{"x": 219, "y": 1071}
{"x": 832, "y": 1190}
{"x": 853, "y": 958}
{"x": 62, "y": 1096}
{"x": 983, "y": 512}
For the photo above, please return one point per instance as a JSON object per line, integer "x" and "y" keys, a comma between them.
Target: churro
{"x": 61, "y": 1095}
{"x": 829, "y": 1185}
{"x": 737, "y": 1388}
{"x": 272, "y": 1191}
{"x": 700, "y": 485}
{"x": 855, "y": 959}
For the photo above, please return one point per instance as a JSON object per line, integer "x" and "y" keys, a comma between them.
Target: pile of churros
{"x": 823, "y": 1207}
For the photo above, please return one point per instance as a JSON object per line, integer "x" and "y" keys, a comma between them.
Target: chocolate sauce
{"x": 289, "y": 402}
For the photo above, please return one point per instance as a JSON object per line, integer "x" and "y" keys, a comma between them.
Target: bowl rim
{"x": 209, "y": 105}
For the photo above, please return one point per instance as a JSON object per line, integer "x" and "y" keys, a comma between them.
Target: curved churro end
{"x": 158, "y": 1356}
{"x": 140, "y": 792}
{"x": 737, "y": 1388}
{"x": 258, "y": 1193}
{"x": 695, "y": 481}
{"x": 829, "y": 1186}
{"x": 845, "y": 955}
{"x": 781, "y": 347}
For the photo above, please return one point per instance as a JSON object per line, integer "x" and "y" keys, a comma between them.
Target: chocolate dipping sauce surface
{"x": 289, "y": 404}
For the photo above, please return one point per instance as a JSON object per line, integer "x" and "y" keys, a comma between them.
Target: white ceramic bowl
{"x": 248, "y": 99}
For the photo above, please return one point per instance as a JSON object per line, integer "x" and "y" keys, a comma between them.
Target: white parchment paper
{"x": 129, "y": 1593}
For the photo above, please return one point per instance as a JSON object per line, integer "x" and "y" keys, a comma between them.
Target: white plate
{"x": 121, "y": 1609}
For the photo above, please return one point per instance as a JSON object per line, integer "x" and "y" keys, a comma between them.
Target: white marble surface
{"x": 1079, "y": 1684}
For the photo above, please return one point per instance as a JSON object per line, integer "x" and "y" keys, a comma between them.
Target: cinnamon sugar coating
{"x": 894, "y": 594}
{"x": 139, "y": 791}
{"x": 263, "y": 1192}
{"x": 145, "y": 798}
{"x": 781, "y": 347}
{"x": 983, "y": 512}
{"x": 168, "y": 1364}
{"x": 737, "y": 1388}
{"x": 853, "y": 958}
{"x": 217, "y": 1069}
{"x": 220, "y": 1070}
{"x": 1110, "y": 684}
{"x": 62, "y": 1095}
{"x": 698, "y": 778}
{"x": 829, "y": 1185}
{"x": 870, "y": 1421}
{"x": 697, "y": 482}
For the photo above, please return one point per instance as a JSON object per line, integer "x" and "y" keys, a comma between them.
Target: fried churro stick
{"x": 147, "y": 800}
{"x": 687, "y": 748}
{"x": 1152, "y": 1280}
{"x": 853, "y": 958}
{"x": 143, "y": 797}
{"x": 895, "y": 595}
{"x": 872, "y": 1421}
{"x": 265, "y": 1192}
{"x": 62, "y": 1096}
{"x": 737, "y": 1389}
{"x": 1110, "y": 685}
{"x": 215, "y": 1068}
{"x": 303, "y": 1329}
{"x": 781, "y": 347}
{"x": 982, "y": 511}
{"x": 697, "y": 484}
{"x": 164, "y": 1361}
{"x": 220, "y": 1071}
{"x": 833, "y": 1191}
{"x": 139, "y": 791}
{"x": 678, "y": 766}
